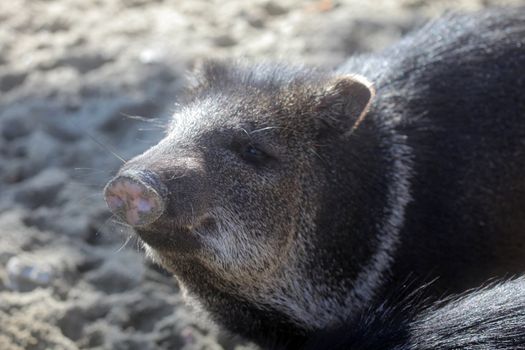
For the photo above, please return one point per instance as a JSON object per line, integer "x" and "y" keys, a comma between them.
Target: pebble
{"x": 25, "y": 274}
{"x": 151, "y": 56}
{"x": 275, "y": 9}
{"x": 224, "y": 40}
{"x": 120, "y": 273}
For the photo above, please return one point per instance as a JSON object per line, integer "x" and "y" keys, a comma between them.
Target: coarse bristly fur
{"x": 295, "y": 199}
{"x": 492, "y": 317}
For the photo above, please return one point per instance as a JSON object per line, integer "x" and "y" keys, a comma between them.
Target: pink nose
{"x": 136, "y": 197}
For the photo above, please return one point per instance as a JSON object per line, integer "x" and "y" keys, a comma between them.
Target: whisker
{"x": 177, "y": 176}
{"x": 147, "y": 129}
{"x": 106, "y": 224}
{"x": 89, "y": 198}
{"x": 124, "y": 244}
{"x": 265, "y": 129}
{"x": 145, "y": 120}
{"x": 89, "y": 183}
{"x": 246, "y": 132}
{"x": 119, "y": 223}
{"x": 93, "y": 170}
{"x": 106, "y": 147}
{"x": 317, "y": 155}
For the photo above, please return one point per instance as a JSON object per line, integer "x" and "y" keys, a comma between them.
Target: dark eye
{"x": 253, "y": 155}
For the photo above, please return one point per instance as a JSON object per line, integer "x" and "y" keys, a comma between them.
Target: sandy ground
{"x": 73, "y": 74}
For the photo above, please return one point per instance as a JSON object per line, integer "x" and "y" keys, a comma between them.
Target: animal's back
{"x": 455, "y": 91}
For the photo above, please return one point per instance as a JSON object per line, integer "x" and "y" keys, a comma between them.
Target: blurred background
{"x": 86, "y": 84}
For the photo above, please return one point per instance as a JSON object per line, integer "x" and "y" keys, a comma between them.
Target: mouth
{"x": 171, "y": 237}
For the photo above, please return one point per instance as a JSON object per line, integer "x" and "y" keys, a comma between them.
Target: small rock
{"x": 151, "y": 56}
{"x": 274, "y": 9}
{"x": 42, "y": 148}
{"x": 255, "y": 21}
{"x": 24, "y": 274}
{"x": 11, "y": 80}
{"x": 42, "y": 189}
{"x": 15, "y": 128}
{"x": 122, "y": 272}
{"x": 224, "y": 40}
{"x": 84, "y": 62}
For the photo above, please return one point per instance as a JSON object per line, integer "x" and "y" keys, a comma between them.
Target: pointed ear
{"x": 207, "y": 72}
{"x": 344, "y": 102}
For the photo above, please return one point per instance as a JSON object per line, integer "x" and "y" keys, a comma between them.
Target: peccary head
{"x": 265, "y": 197}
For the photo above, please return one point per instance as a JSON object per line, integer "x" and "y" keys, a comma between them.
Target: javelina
{"x": 287, "y": 200}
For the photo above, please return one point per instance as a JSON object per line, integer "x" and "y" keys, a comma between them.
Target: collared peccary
{"x": 287, "y": 200}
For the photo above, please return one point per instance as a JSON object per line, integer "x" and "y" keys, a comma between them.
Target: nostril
{"x": 136, "y": 197}
{"x": 114, "y": 201}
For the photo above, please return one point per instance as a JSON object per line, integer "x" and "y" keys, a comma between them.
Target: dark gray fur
{"x": 432, "y": 178}
{"x": 489, "y": 318}
{"x": 458, "y": 87}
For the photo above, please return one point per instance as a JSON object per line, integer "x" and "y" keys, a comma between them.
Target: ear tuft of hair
{"x": 345, "y": 101}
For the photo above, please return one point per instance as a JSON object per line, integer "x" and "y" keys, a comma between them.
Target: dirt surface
{"x": 73, "y": 75}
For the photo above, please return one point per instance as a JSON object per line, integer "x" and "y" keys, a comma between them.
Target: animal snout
{"x": 138, "y": 198}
